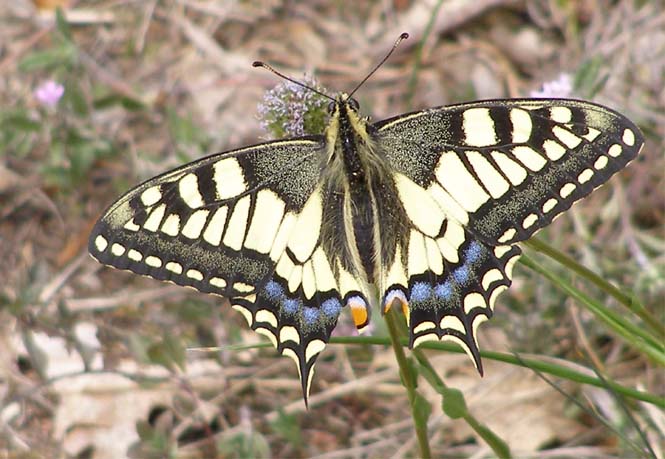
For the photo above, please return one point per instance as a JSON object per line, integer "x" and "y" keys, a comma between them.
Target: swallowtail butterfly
{"x": 428, "y": 207}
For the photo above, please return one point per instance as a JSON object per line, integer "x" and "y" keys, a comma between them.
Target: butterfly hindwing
{"x": 298, "y": 307}
{"x": 507, "y": 168}
{"x": 451, "y": 303}
{"x": 446, "y": 279}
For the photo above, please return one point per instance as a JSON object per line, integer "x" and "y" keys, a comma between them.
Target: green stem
{"x": 630, "y": 302}
{"x": 408, "y": 379}
{"x": 555, "y": 369}
{"x": 498, "y": 446}
{"x": 631, "y": 333}
{"x": 429, "y": 372}
{"x": 559, "y": 370}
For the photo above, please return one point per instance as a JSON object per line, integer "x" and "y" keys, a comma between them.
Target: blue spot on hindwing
{"x": 331, "y": 307}
{"x": 290, "y": 306}
{"x": 310, "y": 315}
{"x": 420, "y": 291}
{"x": 273, "y": 290}
{"x": 444, "y": 290}
{"x": 473, "y": 252}
{"x": 392, "y": 295}
{"x": 461, "y": 274}
{"x": 359, "y": 301}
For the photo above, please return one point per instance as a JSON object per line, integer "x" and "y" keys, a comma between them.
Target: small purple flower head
{"x": 560, "y": 88}
{"x": 289, "y": 110}
{"x": 49, "y": 93}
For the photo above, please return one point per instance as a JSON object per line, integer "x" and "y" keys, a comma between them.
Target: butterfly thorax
{"x": 362, "y": 193}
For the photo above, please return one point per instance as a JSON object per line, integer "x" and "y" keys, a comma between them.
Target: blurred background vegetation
{"x": 96, "y": 363}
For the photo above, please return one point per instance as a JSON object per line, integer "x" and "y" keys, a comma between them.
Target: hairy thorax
{"x": 364, "y": 218}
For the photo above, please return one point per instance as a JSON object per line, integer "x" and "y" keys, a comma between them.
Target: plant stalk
{"x": 408, "y": 379}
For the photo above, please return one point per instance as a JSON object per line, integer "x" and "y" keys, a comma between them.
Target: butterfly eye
{"x": 353, "y": 103}
{"x": 331, "y": 107}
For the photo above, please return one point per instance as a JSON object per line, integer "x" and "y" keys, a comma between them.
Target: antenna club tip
{"x": 404, "y": 36}
{"x": 258, "y": 64}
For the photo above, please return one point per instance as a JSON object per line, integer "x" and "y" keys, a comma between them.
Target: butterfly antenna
{"x": 401, "y": 38}
{"x": 281, "y": 75}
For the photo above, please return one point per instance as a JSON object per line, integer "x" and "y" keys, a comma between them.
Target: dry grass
{"x": 79, "y": 343}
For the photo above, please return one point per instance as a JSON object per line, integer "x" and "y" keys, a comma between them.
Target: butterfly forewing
{"x": 210, "y": 224}
{"x": 506, "y": 168}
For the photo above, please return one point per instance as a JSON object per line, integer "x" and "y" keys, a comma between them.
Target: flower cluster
{"x": 290, "y": 110}
{"x": 560, "y": 88}
{"x": 49, "y": 93}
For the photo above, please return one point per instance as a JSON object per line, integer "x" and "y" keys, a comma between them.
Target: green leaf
{"x": 244, "y": 446}
{"x": 454, "y": 404}
{"x": 167, "y": 352}
{"x": 62, "y": 25}
{"x": 138, "y": 346}
{"x": 633, "y": 334}
{"x": 111, "y": 100}
{"x": 19, "y": 121}
{"x": 182, "y": 129}
{"x": 176, "y": 349}
{"x": 75, "y": 98}
{"x": 587, "y": 76}
{"x": 61, "y": 56}
{"x": 189, "y": 138}
{"x": 144, "y": 430}
{"x": 38, "y": 358}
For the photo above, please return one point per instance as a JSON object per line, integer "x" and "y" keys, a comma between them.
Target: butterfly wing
{"x": 506, "y": 168}
{"x": 244, "y": 225}
{"x": 447, "y": 281}
{"x": 477, "y": 178}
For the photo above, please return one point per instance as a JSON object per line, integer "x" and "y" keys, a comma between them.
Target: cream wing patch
{"x": 522, "y": 125}
{"x": 478, "y": 127}
{"x": 305, "y": 233}
{"x": 268, "y": 214}
{"x": 188, "y": 187}
{"x": 235, "y": 230}
{"x": 491, "y": 178}
{"x": 455, "y": 178}
{"x": 515, "y": 173}
{"x": 213, "y": 232}
{"x": 229, "y": 178}
{"x": 421, "y": 208}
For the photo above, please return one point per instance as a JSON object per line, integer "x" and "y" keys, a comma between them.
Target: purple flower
{"x": 49, "y": 93}
{"x": 560, "y": 88}
{"x": 292, "y": 110}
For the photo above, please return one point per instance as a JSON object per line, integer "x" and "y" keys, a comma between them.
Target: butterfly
{"x": 427, "y": 207}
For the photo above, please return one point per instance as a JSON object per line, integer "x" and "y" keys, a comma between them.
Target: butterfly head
{"x": 345, "y": 120}
{"x": 342, "y": 101}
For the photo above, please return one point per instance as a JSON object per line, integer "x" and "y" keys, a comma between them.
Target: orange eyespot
{"x": 359, "y": 314}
